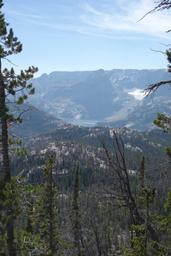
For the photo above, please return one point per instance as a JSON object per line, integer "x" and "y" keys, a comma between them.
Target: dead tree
{"x": 117, "y": 163}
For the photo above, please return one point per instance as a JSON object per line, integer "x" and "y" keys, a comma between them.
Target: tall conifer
{"x": 12, "y": 86}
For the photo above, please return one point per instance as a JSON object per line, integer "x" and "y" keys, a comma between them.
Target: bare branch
{"x": 153, "y": 87}
{"x": 158, "y": 51}
{"x": 10, "y": 62}
{"x": 162, "y": 5}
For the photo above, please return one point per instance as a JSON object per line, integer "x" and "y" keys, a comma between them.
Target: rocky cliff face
{"x": 112, "y": 97}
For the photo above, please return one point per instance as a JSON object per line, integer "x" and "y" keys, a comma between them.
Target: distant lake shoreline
{"x": 82, "y": 122}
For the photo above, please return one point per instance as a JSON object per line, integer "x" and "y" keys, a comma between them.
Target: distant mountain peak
{"x": 112, "y": 96}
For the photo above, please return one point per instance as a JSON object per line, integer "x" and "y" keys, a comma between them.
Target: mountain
{"x": 142, "y": 115}
{"x": 34, "y": 121}
{"x": 114, "y": 98}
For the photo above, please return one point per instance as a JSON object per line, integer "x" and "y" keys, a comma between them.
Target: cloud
{"x": 25, "y": 15}
{"x": 114, "y": 19}
{"x": 124, "y": 18}
{"x": 45, "y": 21}
{"x": 87, "y": 7}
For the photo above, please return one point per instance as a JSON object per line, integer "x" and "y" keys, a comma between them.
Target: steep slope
{"x": 34, "y": 122}
{"x": 114, "y": 97}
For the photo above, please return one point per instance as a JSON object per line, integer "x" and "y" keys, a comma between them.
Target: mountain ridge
{"x": 102, "y": 96}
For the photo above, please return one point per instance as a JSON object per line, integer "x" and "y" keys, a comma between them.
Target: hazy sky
{"x": 88, "y": 35}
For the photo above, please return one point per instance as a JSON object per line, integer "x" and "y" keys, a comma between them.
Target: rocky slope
{"x": 113, "y": 97}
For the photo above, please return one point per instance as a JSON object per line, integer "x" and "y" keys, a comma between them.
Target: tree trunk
{"x": 51, "y": 215}
{"x": 6, "y": 162}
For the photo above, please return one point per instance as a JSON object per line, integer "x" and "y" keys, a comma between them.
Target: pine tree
{"x": 76, "y": 217}
{"x": 27, "y": 233}
{"x": 49, "y": 231}
{"x": 9, "y": 200}
{"x": 16, "y": 86}
{"x": 142, "y": 242}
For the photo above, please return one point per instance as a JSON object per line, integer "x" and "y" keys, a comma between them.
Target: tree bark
{"x": 6, "y": 162}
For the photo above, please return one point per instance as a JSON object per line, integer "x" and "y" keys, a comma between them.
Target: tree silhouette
{"x": 13, "y": 88}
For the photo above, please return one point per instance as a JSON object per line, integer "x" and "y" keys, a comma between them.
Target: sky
{"x": 72, "y": 35}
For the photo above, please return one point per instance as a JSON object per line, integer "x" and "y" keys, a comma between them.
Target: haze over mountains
{"x": 34, "y": 122}
{"x": 106, "y": 98}
{"x": 112, "y": 98}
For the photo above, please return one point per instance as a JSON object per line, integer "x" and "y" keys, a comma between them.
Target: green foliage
{"x": 147, "y": 196}
{"x": 142, "y": 238}
{"x": 13, "y": 87}
{"x": 164, "y": 221}
{"x": 168, "y": 54}
{"x": 76, "y": 217}
{"x": 142, "y": 243}
{"x": 168, "y": 151}
{"x": 167, "y": 204}
{"x": 26, "y": 233}
{"x": 28, "y": 242}
{"x": 48, "y": 208}
{"x": 10, "y": 202}
{"x": 163, "y": 122}
{"x": 138, "y": 245}
{"x": 13, "y": 84}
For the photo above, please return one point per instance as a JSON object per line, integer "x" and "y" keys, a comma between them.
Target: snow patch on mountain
{"x": 138, "y": 94}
